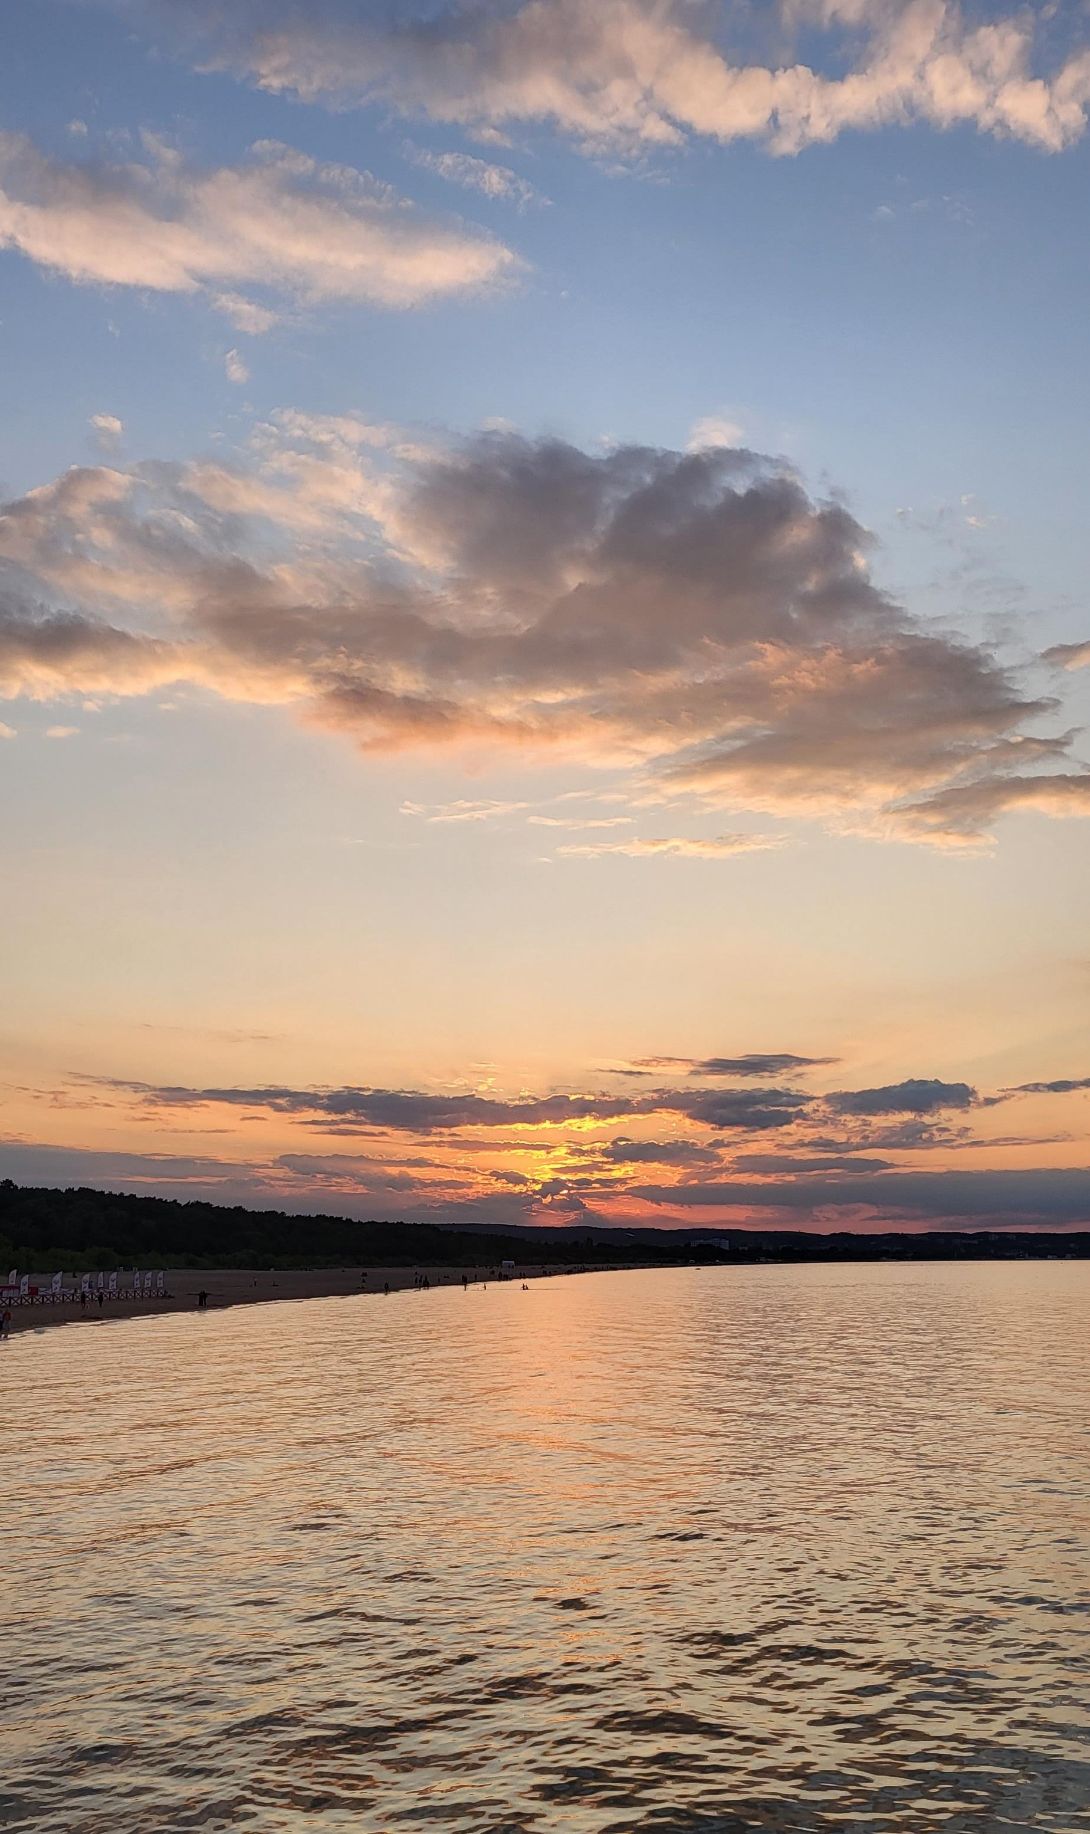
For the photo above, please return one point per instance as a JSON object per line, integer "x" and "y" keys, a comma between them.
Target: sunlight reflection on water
{"x": 763, "y": 1548}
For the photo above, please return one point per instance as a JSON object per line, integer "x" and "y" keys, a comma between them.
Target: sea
{"x": 783, "y": 1548}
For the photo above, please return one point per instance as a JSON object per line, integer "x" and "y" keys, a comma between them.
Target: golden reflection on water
{"x": 763, "y": 1548}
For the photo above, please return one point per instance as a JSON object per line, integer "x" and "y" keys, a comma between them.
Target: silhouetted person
{"x": 83, "y": 1299}
{"x": 202, "y": 1300}
{"x": 101, "y": 1296}
{"x": 385, "y": 1286}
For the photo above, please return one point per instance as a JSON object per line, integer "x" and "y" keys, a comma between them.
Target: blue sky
{"x": 274, "y": 367}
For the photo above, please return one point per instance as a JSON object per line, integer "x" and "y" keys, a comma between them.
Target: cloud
{"x": 1069, "y": 655}
{"x": 310, "y": 232}
{"x": 435, "y": 1153}
{"x": 757, "y": 1063}
{"x": 32, "y": 1162}
{"x": 798, "y": 1164}
{"x": 462, "y": 810}
{"x": 1037, "y": 1197}
{"x": 684, "y": 847}
{"x": 658, "y": 1152}
{"x": 695, "y": 620}
{"x": 235, "y": 367}
{"x": 628, "y": 76}
{"x": 477, "y": 175}
{"x": 7, "y": 732}
{"x": 45, "y": 655}
{"x": 421, "y": 1112}
{"x": 714, "y": 430}
{"x": 972, "y": 808}
{"x": 423, "y": 1189}
{"x": 61, "y": 732}
{"x": 245, "y": 314}
{"x": 918, "y": 1095}
{"x": 108, "y": 430}
{"x": 1063, "y": 1085}
{"x": 580, "y": 821}
{"x": 751, "y": 1063}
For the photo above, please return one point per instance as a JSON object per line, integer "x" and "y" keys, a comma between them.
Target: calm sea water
{"x": 766, "y": 1548}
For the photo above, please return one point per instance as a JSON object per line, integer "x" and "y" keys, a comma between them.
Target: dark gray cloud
{"x": 695, "y": 617}
{"x": 1063, "y": 1085}
{"x": 414, "y": 1111}
{"x": 657, "y": 1152}
{"x": 1042, "y": 1196}
{"x": 751, "y": 1063}
{"x": 917, "y": 1095}
{"x": 33, "y": 1162}
{"x": 899, "y": 1136}
{"x": 757, "y": 1063}
{"x": 797, "y": 1163}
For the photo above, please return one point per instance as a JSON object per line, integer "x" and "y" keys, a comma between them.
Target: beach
{"x": 228, "y": 1286}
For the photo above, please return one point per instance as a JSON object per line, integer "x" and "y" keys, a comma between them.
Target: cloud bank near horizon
{"x": 679, "y": 1153}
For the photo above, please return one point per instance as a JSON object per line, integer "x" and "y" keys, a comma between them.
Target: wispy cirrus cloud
{"x": 472, "y": 174}
{"x": 695, "y": 620}
{"x": 676, "y": 846}
{"x": 282, "y": 222}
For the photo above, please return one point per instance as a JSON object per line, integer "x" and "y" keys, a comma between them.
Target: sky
{"x": 544, "y": 648}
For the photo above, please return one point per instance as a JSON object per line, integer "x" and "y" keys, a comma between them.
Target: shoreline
{"x": 230, "y": 1286}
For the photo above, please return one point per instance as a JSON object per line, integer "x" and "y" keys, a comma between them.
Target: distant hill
{"x": 81, "y": 1229}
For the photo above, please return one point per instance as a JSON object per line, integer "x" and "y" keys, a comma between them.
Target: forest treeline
{"x": 81, "y": 1230}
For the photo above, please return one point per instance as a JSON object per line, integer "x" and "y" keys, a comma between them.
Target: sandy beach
{"x": 259, "y": 1286}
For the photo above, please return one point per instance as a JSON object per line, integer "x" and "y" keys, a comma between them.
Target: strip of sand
{"x": 257, "y": 1286}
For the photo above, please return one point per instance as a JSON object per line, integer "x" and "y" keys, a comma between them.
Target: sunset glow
{"x": 543, "y": 630}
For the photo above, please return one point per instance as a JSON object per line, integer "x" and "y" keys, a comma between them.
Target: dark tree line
{"x": 80, "y": 1229}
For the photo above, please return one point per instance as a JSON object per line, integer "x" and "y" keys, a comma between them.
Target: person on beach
{"x": 101, "y": 1297}
{"x": 202, "y": 1300}
{"x": 83, "y": 1299}
{"x": 5, "y": 1322}
{"x": 385, "y": 1286}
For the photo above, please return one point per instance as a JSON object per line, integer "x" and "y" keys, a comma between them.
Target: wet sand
{"x": 257, "y": 1286}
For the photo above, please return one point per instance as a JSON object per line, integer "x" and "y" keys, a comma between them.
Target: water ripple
{"x": 791, "y": 1549}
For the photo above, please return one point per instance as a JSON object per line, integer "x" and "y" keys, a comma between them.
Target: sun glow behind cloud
{"x": 907, "y": 1154}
